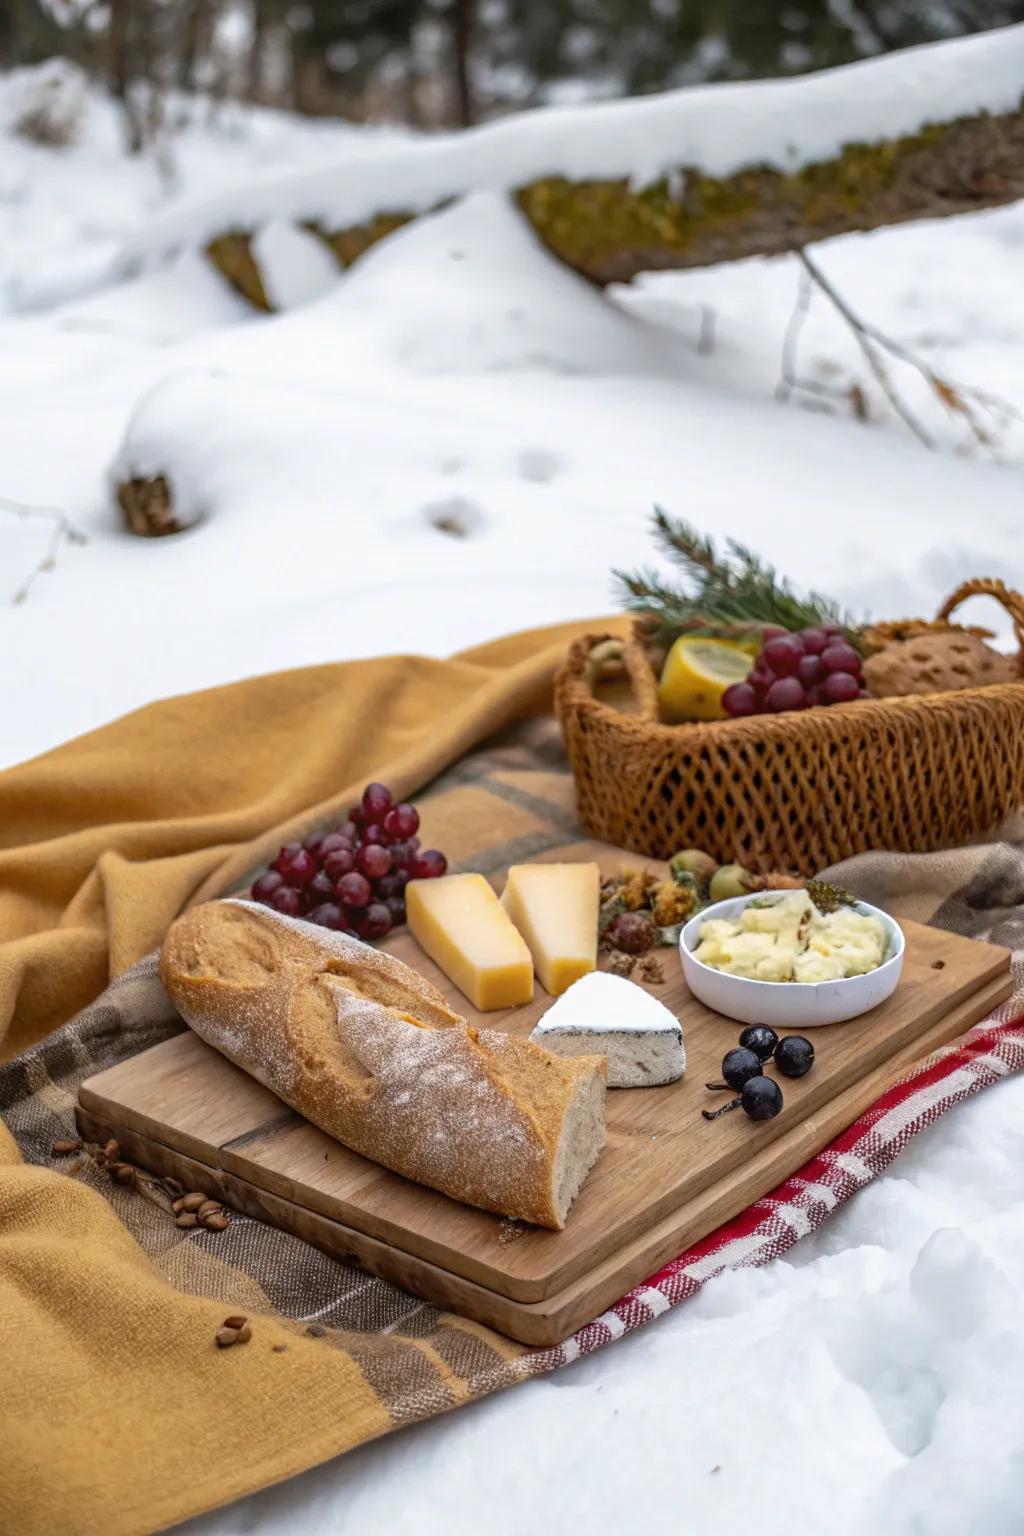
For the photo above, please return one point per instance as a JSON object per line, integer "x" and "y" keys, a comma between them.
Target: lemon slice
{"x": 696, "y": 674}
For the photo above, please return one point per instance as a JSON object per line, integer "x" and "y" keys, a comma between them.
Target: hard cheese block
{"x": 555, "y": 906}
{"x": 462, "y": 926}
{"x": 608, "y": 1015}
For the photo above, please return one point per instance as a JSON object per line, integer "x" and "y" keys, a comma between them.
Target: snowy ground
{"x": 869, "y": 1383}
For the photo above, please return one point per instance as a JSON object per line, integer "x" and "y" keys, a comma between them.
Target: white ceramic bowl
{"x": 789, "y": 1003}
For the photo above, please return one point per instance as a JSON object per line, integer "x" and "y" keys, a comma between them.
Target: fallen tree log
{"x": 689, "y": 178}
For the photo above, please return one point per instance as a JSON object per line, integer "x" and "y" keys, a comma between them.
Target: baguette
{"x": 371, "y": 1053}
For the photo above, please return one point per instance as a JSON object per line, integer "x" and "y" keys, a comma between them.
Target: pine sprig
{"x": 733, "y": 595}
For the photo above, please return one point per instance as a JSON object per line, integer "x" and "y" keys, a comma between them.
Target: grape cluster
{"x": 796, "y": 671}
{"x": 353, "y": 879}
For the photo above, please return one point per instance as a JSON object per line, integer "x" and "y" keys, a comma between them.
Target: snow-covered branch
{"x": 687, "y": 178}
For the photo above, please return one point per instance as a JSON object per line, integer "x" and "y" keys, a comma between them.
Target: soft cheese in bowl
{"x": 775, "y": 958}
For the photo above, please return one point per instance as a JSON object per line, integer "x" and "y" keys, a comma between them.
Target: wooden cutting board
{"x": 665, "y": 1178}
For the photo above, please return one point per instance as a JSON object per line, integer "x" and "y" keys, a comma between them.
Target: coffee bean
{"x": 237, "y": 1321}
{"x": 112, "y": 1151}
{"x": 208, "y": 1208}
{"x": 218, "y": 1222}
{"x": 192, "y": 1202}
{"x": 124, "y": 1173}
{"x": 244, "y": 1334}
{"x": 225, "y": 1337}
{"x": 187, "y": 1219}
{"x": 65, "y": 1147}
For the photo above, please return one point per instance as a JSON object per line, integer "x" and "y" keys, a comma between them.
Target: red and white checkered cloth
{"x": 767, "y": 1229}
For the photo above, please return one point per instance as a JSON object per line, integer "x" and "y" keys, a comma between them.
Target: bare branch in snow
{"x": 64, "y": 531}
{"x": 984, "y": 414}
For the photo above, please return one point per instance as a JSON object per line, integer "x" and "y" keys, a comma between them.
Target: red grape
{"x": 341, "y": 861}
{"x": 329, "y": 915}
{"x": 769, "y": 631}
{"x": 786, "y": 693}
{"x": 840, "y": 688}
{"x": 321, "y": 886}
{"x": 814, "y": 695}
{"x": 396, "y": 906}
{"x": 312, "y": 843}
{"x": 285, "y": 855}
{"x": 377, "y": 801}
{"x": 427, "y": 866}
{"x": 266, "y": 885}
{"x": 353, "y": 889}
{"x": 814, "y": 641}
{"x": 373, "y": 860}
{"x": 810, "y": 671}
{"x": 297, "y": 868}
{"x": 401, "y": 821}
{"x": 782, "y": 653}
{"x": 739, "y": 699}
{"x": 840, "y": 657}
{"x": 373, "y": 832}
{"x": 375, "y": 921}
{"x": 287, "y": 900}
{"x": 332, "y": 842}
{"x": 349, "y": 830}
{"x": 391, "y": 885}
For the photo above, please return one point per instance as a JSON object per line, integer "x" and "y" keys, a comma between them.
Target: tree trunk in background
{"x": 119, "y": 68}
{"x": 254, "y": 63}
{"x": 411, "y": 87}
{"x": 194, "y": 38}
{"x": 463, "y": 18}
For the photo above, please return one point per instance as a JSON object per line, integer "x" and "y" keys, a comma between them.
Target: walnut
{"x": 936, "y": 662}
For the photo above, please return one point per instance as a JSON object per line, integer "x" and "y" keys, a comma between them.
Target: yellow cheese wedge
{"x": 554, "y": 906}
{"x": 460, "y": 923}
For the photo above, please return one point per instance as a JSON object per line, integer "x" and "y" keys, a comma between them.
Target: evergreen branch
{"x": 734, "y": 595}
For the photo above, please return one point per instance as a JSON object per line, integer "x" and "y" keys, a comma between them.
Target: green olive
{"x": 693, "y": 861}
{"x": 730, "y": 880}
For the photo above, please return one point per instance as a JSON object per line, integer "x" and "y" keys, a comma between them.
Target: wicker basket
{"x": 795, "y": 791}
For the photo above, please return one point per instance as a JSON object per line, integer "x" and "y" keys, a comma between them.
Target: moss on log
{"x": 609, "y": 230}
{"x": 232, "y": 255}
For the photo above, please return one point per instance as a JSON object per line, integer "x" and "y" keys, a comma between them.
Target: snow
{"x": 719, "y": 129}
{"x": 868, "y": 1382}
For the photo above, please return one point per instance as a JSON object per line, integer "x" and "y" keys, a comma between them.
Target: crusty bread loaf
{"x": 372, "y": 1054}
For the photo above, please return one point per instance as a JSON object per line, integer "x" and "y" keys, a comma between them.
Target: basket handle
{"x": 592, "y": 654}
{"x": 989, "y": 586}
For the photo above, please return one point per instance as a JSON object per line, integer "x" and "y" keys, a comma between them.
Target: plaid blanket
{"x": 506, "y": 803}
